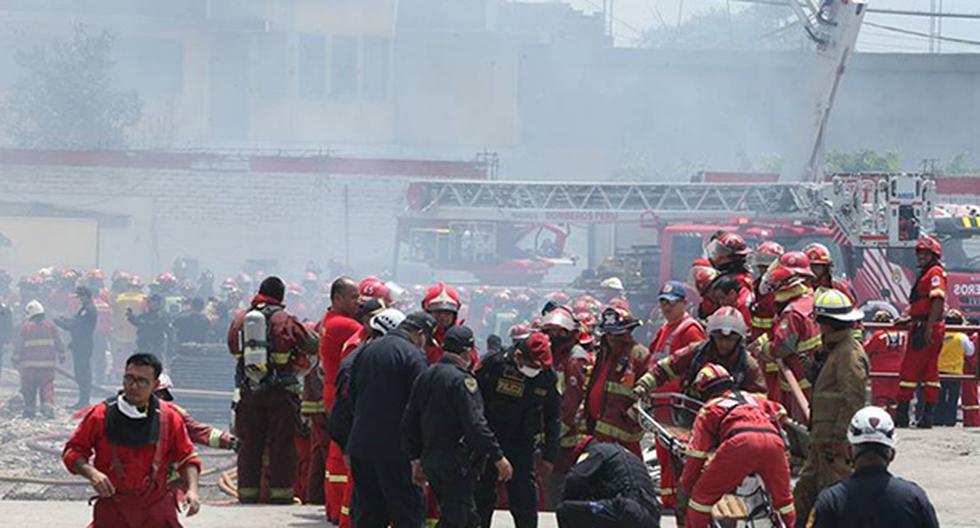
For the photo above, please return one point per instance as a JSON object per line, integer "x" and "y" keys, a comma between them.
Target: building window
{"x": 375, "y": 85}
{"x": 343, "y": 66}
{"x": 270, "y": 64}
{"x": 312, "y": 65}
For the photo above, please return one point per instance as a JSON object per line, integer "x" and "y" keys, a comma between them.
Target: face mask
{"x": 129, "y": 409}
{"x": 530, "y": 372}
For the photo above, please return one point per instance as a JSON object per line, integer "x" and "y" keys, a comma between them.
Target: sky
{"x": 633, "y": 16}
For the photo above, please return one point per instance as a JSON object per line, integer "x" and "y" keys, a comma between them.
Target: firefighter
{"x": 971, "y": 404}
{"x": 137, "y": 439}
{"x": 520, "y": 394}
{"x": 796, "y": 337}
{"x": 728, "y": 253}
{"x": 152, "y": 326}
{"x": 613, "y": 292}
{"x": 609, "y": 395}
{"x": 273, "y": 351}
{"x": 37, "y": 346}
{"x": 872, "y": 497}
{"x": 339, "y": 324}
{"x": 608, "y": 487}
{"x": 763, "y": 309}
{"x": 380, "y": 383}
{"x": 679, "y": 331}
{"x": 702, "y": 277}
{"x": 6, "y": 328}
{"x": 728, "y": 290}
{"x": 128, "y": 297}
{"x": 822, "y": 266}
{"x": 191, "y": 325}
{"x": 572, "y": 365}
{"x": 725, "y": 346}
{"x": 841, "y": 370}
{"x": 926, "y": 330}
{"x": 442, "y": 303}
{"x": 957, "y": 347}
{"x": 82, "y": 328}
{"x": 446, "y": 434}
{"x": 885, "y": 349}
{"x": 743, "y": 432}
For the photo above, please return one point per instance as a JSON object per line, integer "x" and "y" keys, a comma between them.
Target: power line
{"x": 897, "y": 12}
{"x": 923, "y": 35}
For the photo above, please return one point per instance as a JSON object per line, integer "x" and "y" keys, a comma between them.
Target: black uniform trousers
{"x": 619, "y": 512}
{"x": 385, "y": 493}
{"x": 81, "y": 357}
{"x": 522, "y": 489}
{"x": 453, "y": 483}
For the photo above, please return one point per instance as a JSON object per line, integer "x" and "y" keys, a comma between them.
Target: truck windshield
{"x": 962, "y": 254}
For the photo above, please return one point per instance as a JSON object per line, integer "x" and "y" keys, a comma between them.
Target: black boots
{"x": 926, "y": 422}
{"x": 902, "y": 414}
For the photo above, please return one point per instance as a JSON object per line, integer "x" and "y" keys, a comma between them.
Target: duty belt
{"x": 739, "y": 430}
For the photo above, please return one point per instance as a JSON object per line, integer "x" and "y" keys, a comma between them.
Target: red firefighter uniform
{"x": 266, "y": 415}
{"x": 573, "y": 365}
{"x": 668, "y": 339}
{"x": 968, "y": 395}
{"x": 686, "y": 362}
{"x": 741, "y": 430}
{"x": 921, "y": 362}
{"x": 610, "y": 393}
{"x": 761, "y": 331}
{"x": 37, "y": 349}
{"x": 314, "y": 414}
{"x": 336, "y": 329}
{"x": 885, "y": 349}
{"x": 138, "y": 473}
{"x": 795, "y": 339}
{"x": 200, "y": 434}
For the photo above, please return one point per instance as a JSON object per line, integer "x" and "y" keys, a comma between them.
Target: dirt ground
{"x": 944, "y": 461}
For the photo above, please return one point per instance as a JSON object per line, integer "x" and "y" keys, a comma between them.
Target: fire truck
{"x": 869, "y": 221}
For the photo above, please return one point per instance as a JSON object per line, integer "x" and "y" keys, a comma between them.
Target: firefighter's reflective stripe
{"x": 336, "y": 478}
{"x": 828, "y": 395}
{"x": 803, "y": 383}
{"x": 772, "y": 366}
{"x": 312, "y": 407}
{"x": 214, "y": 439}
{"x": 37, "y": 364}
{"x": 571, "y": 441}
{"x": 619, "y": 389}
{"x": 970, "y": 407}
{"x": 808, "y": 344}
{"x": 344, "y": 510}
{"x": 667, "y": 492}
{"x": 280, "y": 493}
{"x": 693, "y": 453}
{"x": 279, "y": 358}
{"x": 908, "y": 384}
{"x": 697, "y": 506}
{"x": 612, "y": 431}
{"x": 38, "y": 343}
{"x": 248, "y": 492}
{"x": 762, "y": 322}
{"x": 938, "y": 292}
{"x": 786, "y": 509}
{"x": 431, "y": 522}
{"x": 665, "y": 365}
{"x": 933, "y": 384}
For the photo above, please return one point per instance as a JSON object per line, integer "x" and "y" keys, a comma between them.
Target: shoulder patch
{"x": 581, "y": 458}
{"x": 471, "y": 384}
{"x": 784, "y": 324}
{"x": 936, "y": 280}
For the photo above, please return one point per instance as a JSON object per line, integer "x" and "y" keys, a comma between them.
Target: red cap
{"x": 538, "y": 345}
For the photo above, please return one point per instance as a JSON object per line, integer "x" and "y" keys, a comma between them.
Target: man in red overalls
{"x": 763, "y": 311}
{"x": 885, "y": 349}
{"x": 926, "y": 331}
{"x": 339, "y": 324}
{"x": 743, "y": 432}
{"x": 679, "y": 331}
{"x": 137, "y": 439}
{"x": 37, "y": 347}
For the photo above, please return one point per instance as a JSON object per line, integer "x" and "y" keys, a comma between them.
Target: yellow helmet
{"x": 833, "y": 304}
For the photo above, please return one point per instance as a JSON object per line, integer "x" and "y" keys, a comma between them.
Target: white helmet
{"x": 387, "y": 320}
{"x": 727, "y": 320}
{"x": 33, "y": 308}
{"x": 613, "y": 283}
{"x": 872, "y": 425}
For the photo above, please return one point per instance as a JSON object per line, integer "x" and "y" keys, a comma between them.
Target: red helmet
{"x": 797, "y": 262}
{"x": 294, "y": 288}
{"x": 711, "y": 376}
{"x": 538, "y": 346}
{"x": 522, "y": 298}
{"x": 441, "y": 297}
{"x": 519, "y": 332}
{"x": 728, "y": 244}
{"x": 167, "y": 279}
{"x": 95, "y": 274}
{"x": 372, "y": 288}
{"x": 768, "y": 252}
{"x": 586, "y": 319}
{"x": 229, "y": 284}
{"x": 930, "y": 244}
{"x": 818, "y": 254}
{"x": 559, "y": 318}
{"x": 559, "y": 298}
{"x": 702, "y": 277}
{"x": 502, "y": 297}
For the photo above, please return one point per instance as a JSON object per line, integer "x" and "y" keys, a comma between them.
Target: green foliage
{"x": 65, "y": 98}
{"x": 866, "y": 160}
{"x": 960, "y": 165}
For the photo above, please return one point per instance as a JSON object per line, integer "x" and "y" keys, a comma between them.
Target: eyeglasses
{"x": 142, "y": 383}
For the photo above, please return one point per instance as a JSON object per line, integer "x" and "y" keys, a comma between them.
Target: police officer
{"x": 872, "y": 497}
{"x": 520, "y": 391}
{"x": 609, "y": 487}
{"x": 446, "y": 434}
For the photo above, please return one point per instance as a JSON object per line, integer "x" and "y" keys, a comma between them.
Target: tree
{"x": 65, "y": 98}
{"x": 866, "y": 160}
{"x": 754, "y": 27}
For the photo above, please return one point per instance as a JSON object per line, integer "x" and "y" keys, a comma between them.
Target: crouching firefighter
{"x": 742, "y": 430}
{"x": 274, "y": 351}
